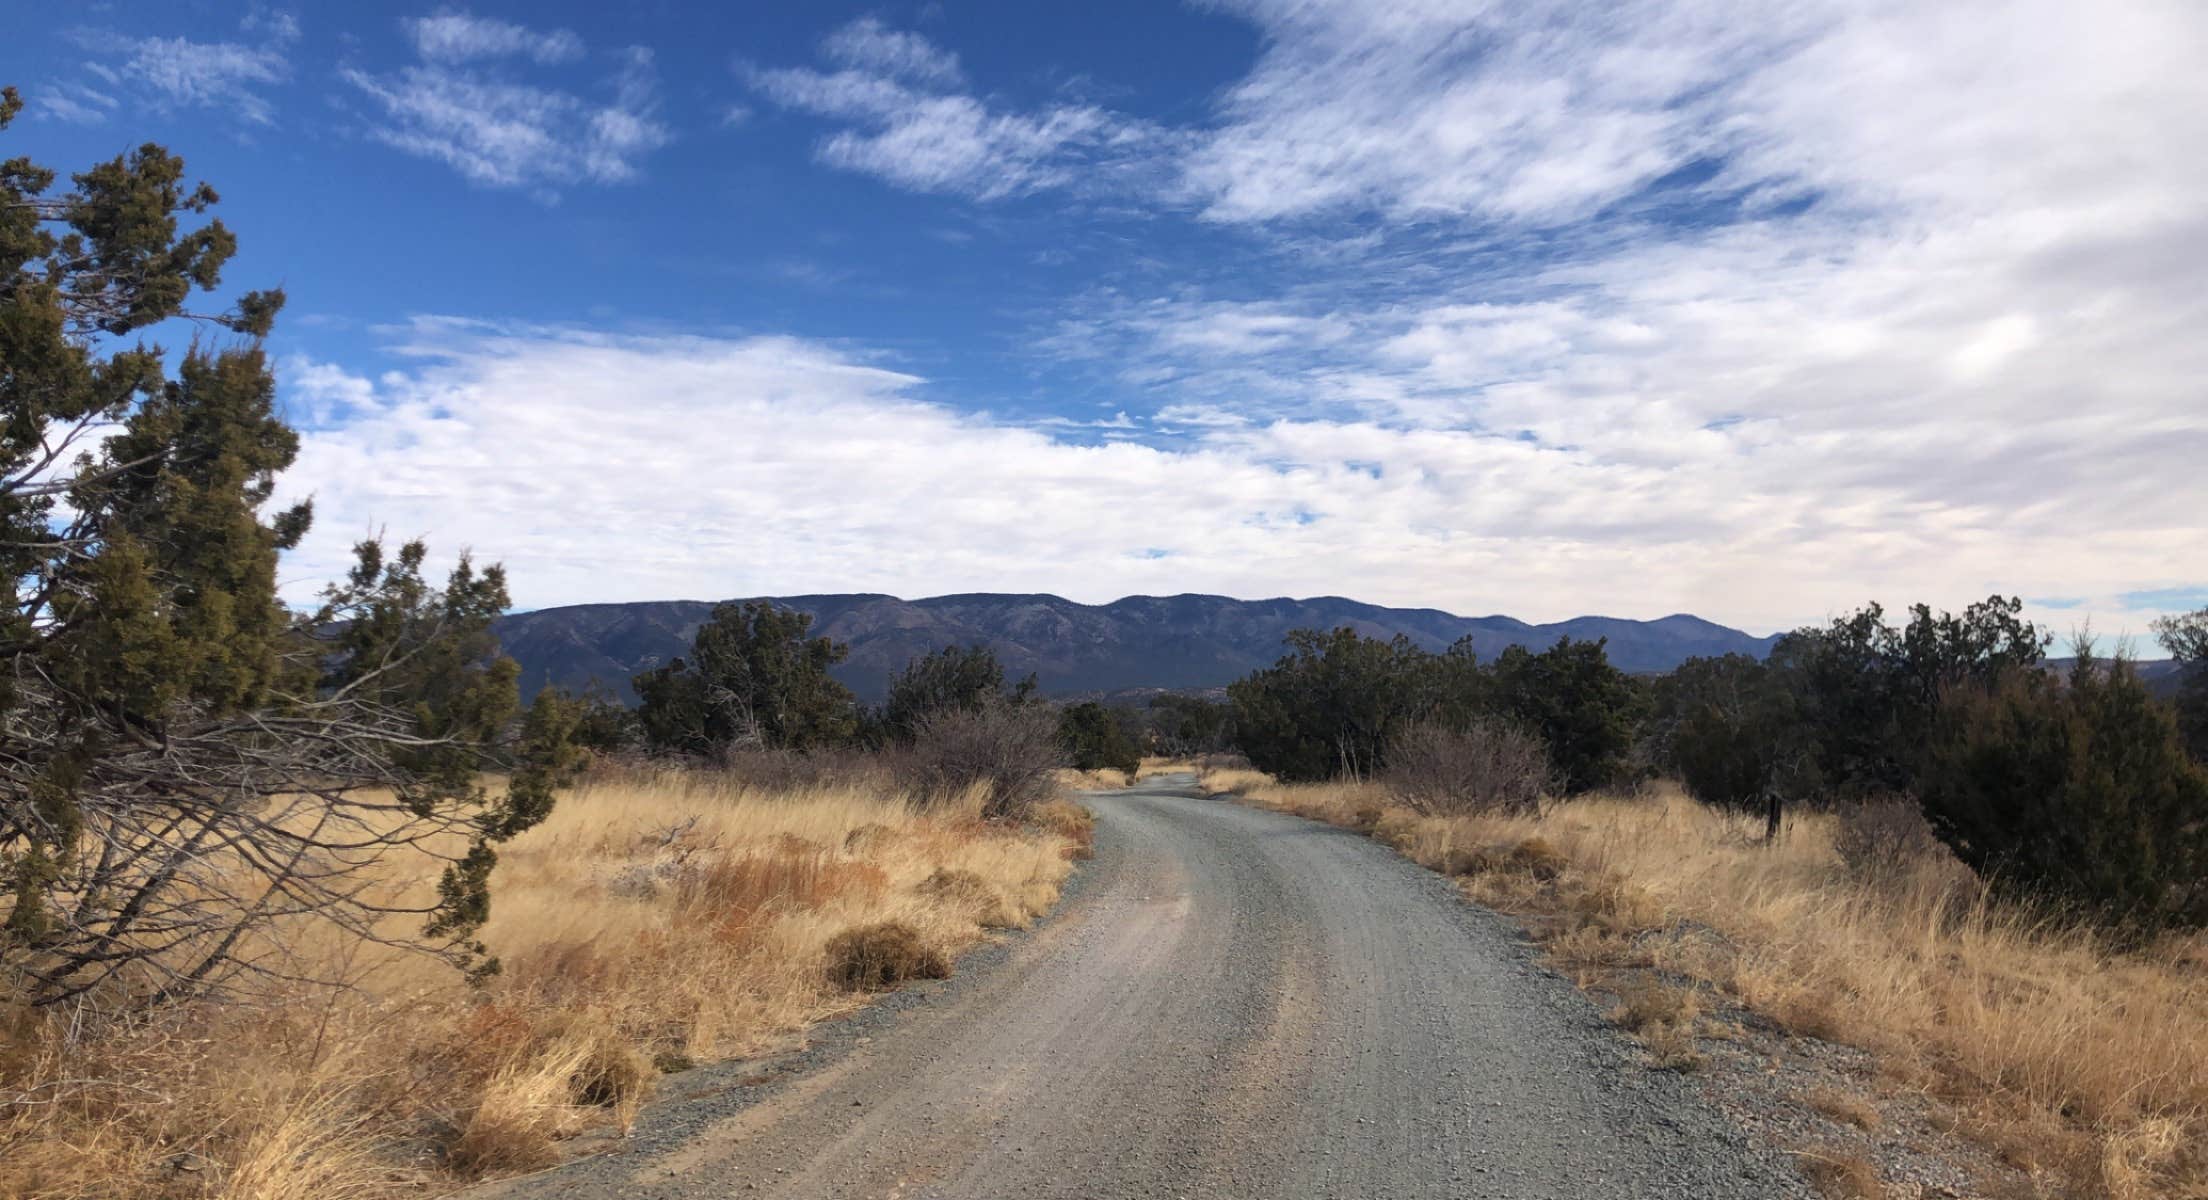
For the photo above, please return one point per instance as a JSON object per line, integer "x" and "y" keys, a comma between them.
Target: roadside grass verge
{"x": 2082, "y": 1064}
{"x": 1106, "y": 779}
{"x": 1101, "y": 779}
{"x": 657, "y": 920}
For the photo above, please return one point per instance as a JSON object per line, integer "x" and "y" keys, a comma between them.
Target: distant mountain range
{"x": 1174, "y": 642}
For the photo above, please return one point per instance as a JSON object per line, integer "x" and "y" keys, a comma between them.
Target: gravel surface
{"x": 1229, "y": 1003}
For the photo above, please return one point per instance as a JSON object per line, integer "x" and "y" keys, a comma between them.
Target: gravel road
{"x": 1230, "y": 1003}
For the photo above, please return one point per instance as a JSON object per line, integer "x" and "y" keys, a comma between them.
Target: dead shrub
{"x": 881, "y": 956}
{"x": 972, "y": 892}
{"x": 1663, "y": 1017}
{"x": 1007, "y": 752}
{"x": 1488, "y": 767}
{"x": 1647, "y": 1002}
{"x": 1886, "y": 838}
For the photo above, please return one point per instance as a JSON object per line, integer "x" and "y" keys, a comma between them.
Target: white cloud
{"x": 459, "y": 106}
{"x": 1537, "y": 111}
{"x": 868, "y": 45}
{"x": 177, "y": 72}
{"x": 608, "y": 468}
{"x": 1916, "y": 320}
{"x": 913, "y": 126}
{"x": 457, "y": 37}
{"x": 76, "y": 103}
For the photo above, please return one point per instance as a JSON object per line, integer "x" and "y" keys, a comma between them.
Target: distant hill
{"x": 1177, "y": 642}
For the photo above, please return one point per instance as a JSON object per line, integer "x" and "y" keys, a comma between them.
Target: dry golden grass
{"x": 2076, "y": 1060}
{"x": 653, "y": 921}
{"x": 1155, "y": 765}
{"x": 1844, "y": 1107}
{"x": 1099, "y": 780}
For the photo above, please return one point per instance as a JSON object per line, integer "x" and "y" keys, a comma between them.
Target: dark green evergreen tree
{"x": 2081, "y": 794}
{"x": 1733, "y": 729}
{"x": 182, "y": 759}
{"x": 1330, "y": 706}
{"x": 1191, "y": 724}
{"x": 1866, "y": 690}
{"x": 753, "y": 678}
{"x": 1096, "y": 740}
{"x": 962, "y": 678}
{"x": 1586, "y": 711}
{"x": 2186, "y": 638}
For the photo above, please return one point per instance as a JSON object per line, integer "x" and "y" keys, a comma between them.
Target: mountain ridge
{"x": 1183, "y": 641}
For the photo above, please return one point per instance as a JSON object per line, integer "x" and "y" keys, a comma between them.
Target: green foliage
{"x": 1866, "y": 690}
{"x": 181, "y": 757}
{"x": 1191, "y": 724}
{"x": 1096, "y": 739}
{"x": 1330, "y": 706}
{"x": 1732, "y": 727}
{"x": 1336, "y": 702}
{"x": 2186, "y": 638}
{"x": 753, "y": 679}
{"x": 1583, "y": 709}
{"x": 962, "y": 678}
{"x": 2081, "y": 794}
{"x": 598, "y": 723}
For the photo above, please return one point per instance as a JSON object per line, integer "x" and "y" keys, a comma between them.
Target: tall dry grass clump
{"x": 2078, "y": 1060}
{"x": 655, "y": 920}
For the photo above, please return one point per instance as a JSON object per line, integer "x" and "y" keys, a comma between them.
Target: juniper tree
{"x": 2185, "y": 636}
{"x": 2080, "y": 793}
{"x": 1584, "y": 709}
{"x": 184, "y": 762}
{"x": 965, "y": 678}
{"x": 752, "y": 678}
{"x": 1095, "y": 740}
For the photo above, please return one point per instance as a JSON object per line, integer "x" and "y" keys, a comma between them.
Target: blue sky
{"x": 1537, "y": 308}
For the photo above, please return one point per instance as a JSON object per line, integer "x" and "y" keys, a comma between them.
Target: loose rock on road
{"x": 1231, "y": 1003}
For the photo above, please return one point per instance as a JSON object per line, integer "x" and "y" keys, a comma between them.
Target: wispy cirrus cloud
{"x": 911, "y": 121}
{"x": 230, "y": 77}
{"x": 464, "y": 105}
{"x": 458, "y": 37}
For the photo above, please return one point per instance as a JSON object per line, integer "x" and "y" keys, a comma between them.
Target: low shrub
{"x": 1886, "y": 842}
{"x": 1486, "y": 767}
{"x": 1646, "y": 1002}
{"x": 970, "y": 891}
{"x": 1007, "y": 753}
{"x": 880, "y": 956}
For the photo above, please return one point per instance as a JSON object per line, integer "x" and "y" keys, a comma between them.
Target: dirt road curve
{"x": 1231, "y": 1003}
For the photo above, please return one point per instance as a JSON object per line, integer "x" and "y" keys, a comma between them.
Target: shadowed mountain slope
{"x": 1186, "y": 641}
